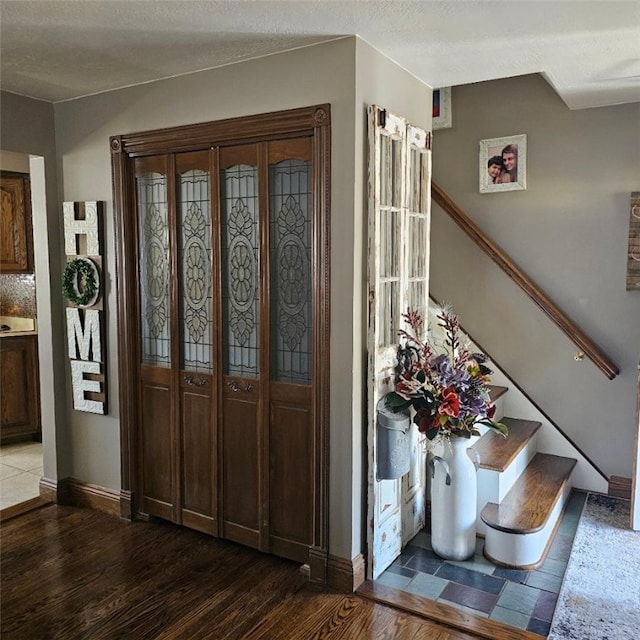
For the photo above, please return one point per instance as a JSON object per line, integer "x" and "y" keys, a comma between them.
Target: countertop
{"x": 16, "y": 334}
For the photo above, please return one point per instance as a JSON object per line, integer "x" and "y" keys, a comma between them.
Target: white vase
{"x": 454, "y": 489}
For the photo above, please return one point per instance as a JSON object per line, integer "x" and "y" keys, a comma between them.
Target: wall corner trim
{"x": 75, "y": 493}
{"x": 620, "y": 487}
{"x": 345, "y": 575}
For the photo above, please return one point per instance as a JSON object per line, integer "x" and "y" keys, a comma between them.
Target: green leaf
{"x": 498, "y": 427}
{"x": 432, "y": 433}
{"x": 396, "y": 402}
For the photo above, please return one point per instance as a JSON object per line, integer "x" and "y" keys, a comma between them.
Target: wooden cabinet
{"x": 20, "y": 396}
{"x": 15, "y": 223}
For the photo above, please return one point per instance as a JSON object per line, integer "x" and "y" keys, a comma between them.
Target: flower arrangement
{"x": 446, "y": 384}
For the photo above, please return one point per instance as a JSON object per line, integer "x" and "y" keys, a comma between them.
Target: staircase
{"x": 521, "y": 492}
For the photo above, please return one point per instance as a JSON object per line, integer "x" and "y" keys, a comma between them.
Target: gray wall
{"x": 293, "y": 79}
{"x": 27, "y": 127}
{"x": 323, "y": 73}
{"x": 569, "y": 232}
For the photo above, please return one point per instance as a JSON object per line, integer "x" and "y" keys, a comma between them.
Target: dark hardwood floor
{"x": 70, "y": 573}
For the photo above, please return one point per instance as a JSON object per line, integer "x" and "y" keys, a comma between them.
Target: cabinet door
{"x": 19, "y": 403}
{"x": 15, "y": 223}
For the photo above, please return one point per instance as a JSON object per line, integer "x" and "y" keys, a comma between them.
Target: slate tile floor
{"x": 521, "y": 599}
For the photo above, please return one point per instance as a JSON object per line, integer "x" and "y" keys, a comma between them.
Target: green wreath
{"x": 79, "y": 283}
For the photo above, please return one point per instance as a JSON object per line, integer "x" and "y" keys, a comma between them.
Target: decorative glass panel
{"x": 389, "y": 244}
{"x": 389, "y": 313}
{"x": 389, "y": 248}
{"x": 154, "y": 268}
{"x": 195, "y": 273}
{"x": 390, "y": 171}
{"x": 385, "y": 173}
{"x": 417, "y": 245}
{"x": 417, "y": 236}
{"x": 290, "y": 257}
{"x": 240, "y": 270}
{"x": 397, "y": 148}
{"x": 417, "y": 298}
{"x": 419, "y": 181}
{"x": 425, "y": 182}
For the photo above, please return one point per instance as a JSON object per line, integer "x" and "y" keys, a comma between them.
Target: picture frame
{"x": 441, "y": 108}
{"x": 503, "y": 164}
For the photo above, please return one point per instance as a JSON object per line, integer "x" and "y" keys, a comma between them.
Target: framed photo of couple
{"x": 503, "y": 164}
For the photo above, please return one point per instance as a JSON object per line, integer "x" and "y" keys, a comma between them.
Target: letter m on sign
{"x": 84, "y": 341}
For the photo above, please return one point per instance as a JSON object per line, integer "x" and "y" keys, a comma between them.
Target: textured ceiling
{"x": 62, "y": 49}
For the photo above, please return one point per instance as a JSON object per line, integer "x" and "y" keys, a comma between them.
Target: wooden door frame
{"x": 314, "y": 121}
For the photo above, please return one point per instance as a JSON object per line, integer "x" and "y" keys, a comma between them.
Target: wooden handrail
{"x": 564, "y": 323}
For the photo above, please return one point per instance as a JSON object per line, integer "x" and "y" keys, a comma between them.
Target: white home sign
{"x": 84, "y": 316}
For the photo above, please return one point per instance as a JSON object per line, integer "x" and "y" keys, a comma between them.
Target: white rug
{"x": 600, "y": 595}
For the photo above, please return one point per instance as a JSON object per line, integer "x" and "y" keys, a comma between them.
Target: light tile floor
{"x": 522, "y": 599}
{"x": 20, "y": 472}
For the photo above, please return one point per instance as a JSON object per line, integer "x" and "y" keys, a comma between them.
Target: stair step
{"x": 526, "y": 508}
{"x": 495, "y": 392}
{"x": 496, "y": 452}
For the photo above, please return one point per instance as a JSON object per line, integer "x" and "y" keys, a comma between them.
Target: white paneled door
{"x": 399, "y": 230}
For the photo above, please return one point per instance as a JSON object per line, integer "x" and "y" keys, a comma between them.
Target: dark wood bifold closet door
{"x": 177, "y": 413}
{"x": 291, "y": 357}
{"x": 267, "y": 330}
{"x": 197, "y": 348}
{"x": 241, "y": 322}
{"x": 157, "y": 433}
{"x": 223, "y": 323}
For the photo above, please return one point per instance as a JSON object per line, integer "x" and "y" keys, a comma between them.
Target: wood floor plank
{"x": 76, "y": 574}
{"x": 474, "y": 626}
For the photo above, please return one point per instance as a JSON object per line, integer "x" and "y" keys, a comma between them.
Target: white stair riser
{"x": 488, "y": 491}
{"x": 524, "y": 550}
{"x": 493, "y": 486}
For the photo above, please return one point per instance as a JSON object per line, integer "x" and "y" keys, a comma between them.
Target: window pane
{"x": 389, "y": 244}
{"x": 417, "y": 246}
{"x": 290, "y": 271}
{"x": 195, "y": 285}
{"x": 389, "y": 313}
{"x": 240, "y": 264}
{"x": 153, "y": 237}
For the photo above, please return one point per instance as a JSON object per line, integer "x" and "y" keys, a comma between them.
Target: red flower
{"x": 404, "y": 388}
{"x": 424, "y": 420}
{"x": 450, "y": 405}
{"x": 491, "y": 411}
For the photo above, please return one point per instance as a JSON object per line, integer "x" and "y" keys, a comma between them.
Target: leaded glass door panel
{"x": 241, "y": 343}
{"x": 158, "y": 429}
{"x": 198, "y": 468}
{"x": 267, "y": 336}
{"x": 291, "y": 357}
